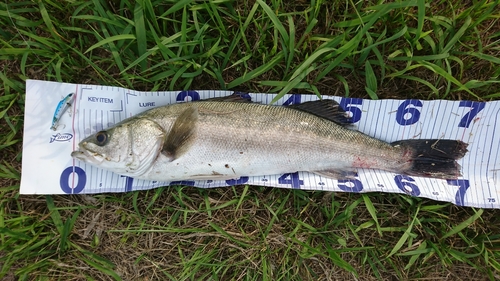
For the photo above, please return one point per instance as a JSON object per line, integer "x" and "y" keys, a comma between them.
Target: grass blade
{"x": 140, "y": 31}
{"x": 111, "y": 39}
{"x": 457, "y": 36}
{"x": 464, "y": 224}
{"x": 256, "y": 72}
{"x": 447, "y": 76}
{"x": 277, "y": 22}
{"x": 406, "y": 235}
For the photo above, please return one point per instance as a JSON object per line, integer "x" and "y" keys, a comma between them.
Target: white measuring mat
{"x": 48, "y": 168}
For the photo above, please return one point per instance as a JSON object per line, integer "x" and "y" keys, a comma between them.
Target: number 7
{"x": 463, "y": 185}
{"x": 475, "y": 106}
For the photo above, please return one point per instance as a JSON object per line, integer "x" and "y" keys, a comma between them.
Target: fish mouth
{"x": 88, "y": 156}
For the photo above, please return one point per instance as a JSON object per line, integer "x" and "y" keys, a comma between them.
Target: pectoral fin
{"x": 181, "y": 134}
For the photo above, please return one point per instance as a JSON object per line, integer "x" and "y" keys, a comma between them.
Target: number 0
{"x": 80, "y": 184}
{"x": 181, "y": 97}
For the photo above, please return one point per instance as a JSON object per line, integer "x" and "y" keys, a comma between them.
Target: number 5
{"x": 347, "y": 105}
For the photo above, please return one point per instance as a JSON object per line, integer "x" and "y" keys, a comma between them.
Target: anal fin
{"x": 336, "y": 174}
{"x": 181, "y": 134}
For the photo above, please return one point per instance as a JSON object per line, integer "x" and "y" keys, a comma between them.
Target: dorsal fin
{"x": 235, "y": 97}
{"x": 328, "y": 109}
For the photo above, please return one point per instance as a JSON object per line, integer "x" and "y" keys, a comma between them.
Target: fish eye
{"x": 101, "y": 138}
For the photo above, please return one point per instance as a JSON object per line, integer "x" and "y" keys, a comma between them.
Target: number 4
{"x": 293, "y": 180}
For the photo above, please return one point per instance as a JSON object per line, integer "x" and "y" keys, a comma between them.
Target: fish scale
{"x": 220, "y": 140}
{"x": 272, "y": 140}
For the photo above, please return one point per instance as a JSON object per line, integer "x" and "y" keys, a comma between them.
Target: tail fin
{"x": 434, "y": 158}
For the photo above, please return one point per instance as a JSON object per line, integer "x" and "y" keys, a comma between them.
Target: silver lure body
{"x": 62, "y": 106}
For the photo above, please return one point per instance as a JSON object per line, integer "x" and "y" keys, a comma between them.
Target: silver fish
{"x": 62, "y": 106}
{"x": 220, "y": 140}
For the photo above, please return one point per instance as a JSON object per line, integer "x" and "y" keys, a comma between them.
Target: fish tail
{"x": 432, "y": 157}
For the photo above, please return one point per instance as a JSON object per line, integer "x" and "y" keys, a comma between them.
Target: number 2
{"x": 293, "y": 99}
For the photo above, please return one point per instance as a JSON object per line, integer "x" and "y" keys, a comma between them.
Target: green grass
{"x": 418, "y": 49}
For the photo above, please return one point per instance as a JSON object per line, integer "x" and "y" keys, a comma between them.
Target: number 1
{"x": 128, "y": 183}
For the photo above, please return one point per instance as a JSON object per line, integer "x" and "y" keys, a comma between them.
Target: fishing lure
{"x": 62, "y": 106}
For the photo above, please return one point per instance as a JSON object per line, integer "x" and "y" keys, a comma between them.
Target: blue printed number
{"x": 463, "y": 185}
{"x": 347, "y": 105}
{"x": 189, "y": 183}
{"x": 407, "y": 115}
{"x": 193, "y": 95}
{"x": 475, "y": 108}
{"x": 293, "y": 99}
{"x": 128, "y": 183}
{"x": 405, "y": 183}
{"x": 350, "y": 185}
{"x": 244, "y": 95}
{"x": 291, "y": 179}
{"x": 64, "y": 180}
{"x": 241, "y": 180}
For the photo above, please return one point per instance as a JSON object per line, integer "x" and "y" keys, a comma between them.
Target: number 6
{"x": 403, "y": 110}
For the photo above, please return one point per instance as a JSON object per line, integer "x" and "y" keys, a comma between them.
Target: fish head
{"x": 128, "y": 148}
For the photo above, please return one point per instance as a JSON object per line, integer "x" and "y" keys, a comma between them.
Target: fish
{"x": 62, "y": 106}
{"x": 223, "y": 139}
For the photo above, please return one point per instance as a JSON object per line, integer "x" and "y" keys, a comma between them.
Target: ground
{"x": 406, "y": 49}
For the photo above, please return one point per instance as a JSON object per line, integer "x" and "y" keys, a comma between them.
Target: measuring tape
{"x": 98, "y": 107}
